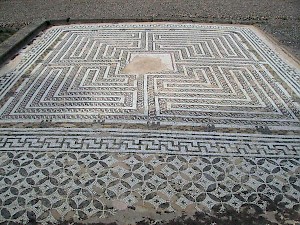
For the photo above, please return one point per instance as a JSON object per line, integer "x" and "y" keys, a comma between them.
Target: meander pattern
{"x": 219, "y": 127}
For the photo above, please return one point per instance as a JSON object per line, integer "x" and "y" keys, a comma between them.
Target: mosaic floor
{"x": 99, "y": 118}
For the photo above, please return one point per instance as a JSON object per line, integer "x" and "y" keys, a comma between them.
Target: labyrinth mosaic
{"x": 171, "y": 117}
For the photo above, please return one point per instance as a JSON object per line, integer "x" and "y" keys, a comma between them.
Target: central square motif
{"x": 169, "y": 117}
{"x": 168, "y": 74}
{"x": 142, "y": 63}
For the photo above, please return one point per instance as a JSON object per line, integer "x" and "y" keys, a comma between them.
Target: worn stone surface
{"x": 133, "y": 123}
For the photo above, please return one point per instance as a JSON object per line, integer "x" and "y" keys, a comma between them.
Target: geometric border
{"x": 149, "y": 141}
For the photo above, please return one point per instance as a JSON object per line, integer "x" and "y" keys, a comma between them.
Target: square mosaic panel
{"x": 95, "y": 114}
{"x": 221, "y": 75}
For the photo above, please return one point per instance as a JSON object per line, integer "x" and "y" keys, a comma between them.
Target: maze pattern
{"x": 221, "y": 76}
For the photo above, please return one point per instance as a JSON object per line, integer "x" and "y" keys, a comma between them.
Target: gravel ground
{"x": 6, "y": 33}
{"x": 280, "y": 18}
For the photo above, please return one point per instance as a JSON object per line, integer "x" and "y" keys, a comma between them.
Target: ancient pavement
{"x": 149, "y": 120}
{"x": 280, "y": 18}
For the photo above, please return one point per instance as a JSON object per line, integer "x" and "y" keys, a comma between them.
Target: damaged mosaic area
{"x": 99, "y": 118}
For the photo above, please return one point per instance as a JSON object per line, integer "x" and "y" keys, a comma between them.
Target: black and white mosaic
{"x": 220, "y": 75}
{"x": 171, "y": 117}
{"x": 56, "y": 185}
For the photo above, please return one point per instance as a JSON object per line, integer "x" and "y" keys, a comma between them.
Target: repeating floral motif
{"x": 58, "y": 186}
{"x": 80, "y": 138}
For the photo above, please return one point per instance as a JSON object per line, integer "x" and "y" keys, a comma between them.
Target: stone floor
{"x": 127, "y": 122}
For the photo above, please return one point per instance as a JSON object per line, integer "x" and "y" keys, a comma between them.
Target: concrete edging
{"x": 13, "y": 44}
